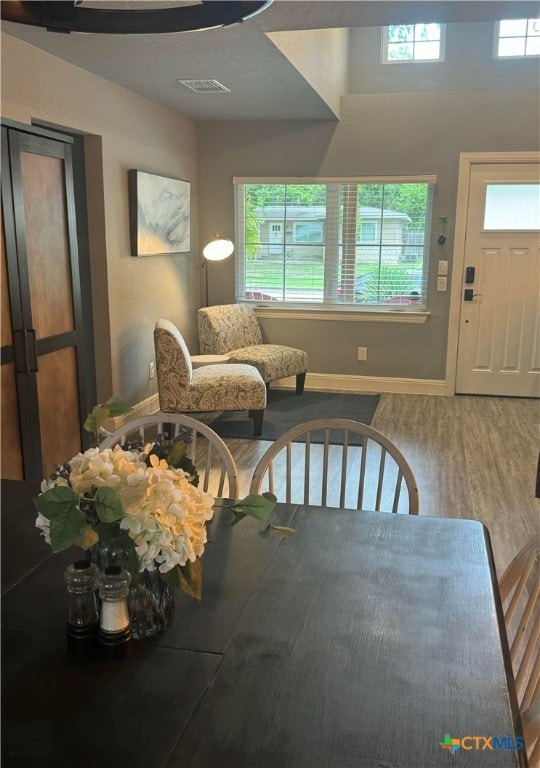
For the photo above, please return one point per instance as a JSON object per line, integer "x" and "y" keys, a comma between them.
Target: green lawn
{"x": 396, "y": 278}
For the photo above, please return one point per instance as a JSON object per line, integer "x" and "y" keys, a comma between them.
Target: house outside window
{"x": 516, "y": 38}
{"x": 360, "y": 244}
{"x": 368, "y": 230}
{"x": 308, "y": 232}
{"x": 413, "y": 43}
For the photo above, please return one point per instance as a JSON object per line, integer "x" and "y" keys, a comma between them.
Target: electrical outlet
{"x": 152, "y": 370}
{"x": 362, "y": 353}
{"x": 441, "y": 283}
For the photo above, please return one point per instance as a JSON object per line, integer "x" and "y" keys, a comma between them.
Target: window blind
{"x": 351, "y": 243}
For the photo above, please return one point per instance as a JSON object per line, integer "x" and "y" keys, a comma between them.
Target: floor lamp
{"x": 218, "y": 249}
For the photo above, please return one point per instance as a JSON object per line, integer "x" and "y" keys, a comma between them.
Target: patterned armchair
{"x": 210, "y": 388}
{"x": 233, "y": 329}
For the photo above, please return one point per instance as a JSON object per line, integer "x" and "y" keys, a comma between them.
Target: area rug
{"x": 286, "y": 409}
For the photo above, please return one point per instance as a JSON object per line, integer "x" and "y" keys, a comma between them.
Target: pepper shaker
{"x": 83, "y": 612}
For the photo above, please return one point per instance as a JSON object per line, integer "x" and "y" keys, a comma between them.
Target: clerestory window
{"x": 515, "y": 38}
{"x": 413, "y": 43}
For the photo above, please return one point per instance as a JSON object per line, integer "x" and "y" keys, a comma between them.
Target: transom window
{"x": 517, "y": 38}
{"x": 348, "y": 243}
{"x": 513, "y": 207}
{"x": 413, "y": 42}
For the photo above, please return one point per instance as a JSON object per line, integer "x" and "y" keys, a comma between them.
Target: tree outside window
{"x": 413, "y": 42}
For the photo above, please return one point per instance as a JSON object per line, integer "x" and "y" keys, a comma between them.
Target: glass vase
{"x": 150, "y": 604}
{"x": 150, "y": 599}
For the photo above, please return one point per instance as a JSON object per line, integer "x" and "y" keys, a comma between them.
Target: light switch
{"x": 443, "y": 267}
{"x": 441, "y": 283}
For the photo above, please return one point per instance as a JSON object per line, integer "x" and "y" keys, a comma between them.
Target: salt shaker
{"x": 114, "y": 623}
{"x": 83, "y": 612}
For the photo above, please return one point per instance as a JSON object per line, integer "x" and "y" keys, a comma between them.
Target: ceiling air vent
{"x": 204, "y": 86}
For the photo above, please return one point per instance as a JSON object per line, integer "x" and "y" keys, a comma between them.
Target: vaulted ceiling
{"x": 255, "y": 60}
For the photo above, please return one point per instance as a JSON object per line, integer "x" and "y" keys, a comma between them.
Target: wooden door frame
{"x": 466, "y": 161}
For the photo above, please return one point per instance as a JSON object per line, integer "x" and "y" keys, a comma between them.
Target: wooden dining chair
{"x": 327, "y": 468}
{"x": 519, "y": 588}
{"x": 217, "y": 469}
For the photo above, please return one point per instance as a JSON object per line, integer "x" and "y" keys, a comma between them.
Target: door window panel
{"x": 512, "y": 207}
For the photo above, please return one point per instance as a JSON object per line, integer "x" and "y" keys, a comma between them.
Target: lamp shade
{"x": 218, "y": 248}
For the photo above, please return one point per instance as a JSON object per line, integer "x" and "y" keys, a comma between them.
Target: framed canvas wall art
{"x": 160, "y": 214}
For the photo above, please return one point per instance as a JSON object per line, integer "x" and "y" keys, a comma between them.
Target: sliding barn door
{"x": 12, "y": 463}
{"x": 42, "y": 341}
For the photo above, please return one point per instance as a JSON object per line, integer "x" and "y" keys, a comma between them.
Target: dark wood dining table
{"x": 363, "y": 640}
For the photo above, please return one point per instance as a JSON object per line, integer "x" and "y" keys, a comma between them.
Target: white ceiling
{"x": 263, "y": 83}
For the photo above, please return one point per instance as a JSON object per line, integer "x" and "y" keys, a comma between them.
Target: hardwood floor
{"x": 473, "y": 457}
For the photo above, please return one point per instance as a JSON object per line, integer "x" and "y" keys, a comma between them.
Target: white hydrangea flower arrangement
{"x": 146, "y": 507}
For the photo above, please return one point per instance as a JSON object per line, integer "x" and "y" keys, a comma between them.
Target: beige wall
{"x": 322, "y": 57}
{"x": 128, "y": 132}
{"x": 468, "y": 65}
{"x": 420, "y": 132}
{"x": 378, "y": 134}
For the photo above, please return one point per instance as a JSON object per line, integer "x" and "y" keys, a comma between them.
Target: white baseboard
{"x": 329, "y": 382}
{"x": 326, "y": 382}
{"x": 150, "y": 405}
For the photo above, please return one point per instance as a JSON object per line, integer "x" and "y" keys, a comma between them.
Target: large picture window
{"x": 354, "y": 243}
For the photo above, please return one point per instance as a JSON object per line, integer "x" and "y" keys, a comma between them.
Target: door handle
{"x": 21, "y": 351}
{"x": 35, "y": 367}
{"x": 468, "y": 294}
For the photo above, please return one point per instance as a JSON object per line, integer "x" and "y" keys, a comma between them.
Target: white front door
{"x": 499, "y": 345}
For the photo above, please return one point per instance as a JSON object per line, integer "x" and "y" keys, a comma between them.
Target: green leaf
{"x": 95, "y": 419}
{"x": 108, "y": 505}
{"x": 173, "y": 577}
{"x": 191, "y": 579}
{"x": 177, "y": 458}
{"x": 106, "y": 531}
{"x": 188, "y": 577}
{"x": 254, "y": 505}
{"x": 265, "y": 533}
{"x": 66, "y": 526}
{"x": 188, "y": 466}
{"x": 237, "y": 516}
{"x": 117, "y": 406}
{"x": 176, "y": 454}
{"x": 283, "y": 530}
{"x": 56, "y": 501}
{"x": 86, "y": 538}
